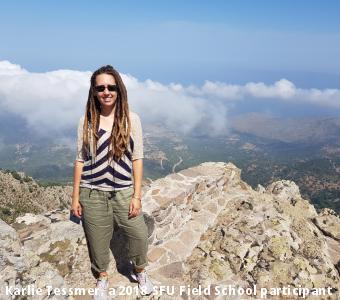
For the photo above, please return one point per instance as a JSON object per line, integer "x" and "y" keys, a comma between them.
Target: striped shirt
{"x": 109, "y": 175}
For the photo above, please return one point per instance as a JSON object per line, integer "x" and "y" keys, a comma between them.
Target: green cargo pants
{"x": 104, "y": 211}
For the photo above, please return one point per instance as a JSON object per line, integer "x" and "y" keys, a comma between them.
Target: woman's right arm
{"x": 76, "y": 207}
{"x": 78, "y": 169}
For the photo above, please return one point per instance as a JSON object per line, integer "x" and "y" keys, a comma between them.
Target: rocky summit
{"x": 211, "y": 236}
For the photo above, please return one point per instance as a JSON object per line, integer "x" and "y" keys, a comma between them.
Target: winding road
{"x": 177, "y": 164}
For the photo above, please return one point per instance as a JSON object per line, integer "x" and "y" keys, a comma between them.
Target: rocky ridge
{"x": 207, "y": 229}
{"x": 20, "y": 194}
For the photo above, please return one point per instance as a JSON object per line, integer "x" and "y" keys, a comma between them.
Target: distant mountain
{"x": 265, "y": 148}
{"x": 306, "y": 130}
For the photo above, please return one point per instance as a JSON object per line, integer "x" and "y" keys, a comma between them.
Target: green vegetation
{"x": 5, "y": 211}
{"x": 51, "y": 183}
{"x": 12, "y": 211}
{"x": 327, "y": 198}
{"x": 15, "y": 174}
{"x": 262, "y": 161}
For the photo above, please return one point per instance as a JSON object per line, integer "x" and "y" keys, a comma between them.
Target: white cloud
{"x": 9, "y": 69}
{"x": 281, "y": 90}
{"x": 47, "y": 101}
{"x": 54, "y": 101}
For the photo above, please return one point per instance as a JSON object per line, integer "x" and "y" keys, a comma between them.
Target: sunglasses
{"x": 110, "y": 87}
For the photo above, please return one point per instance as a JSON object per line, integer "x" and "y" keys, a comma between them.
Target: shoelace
{"x": 102, "y": 284}
{"x": 141, "y": 278}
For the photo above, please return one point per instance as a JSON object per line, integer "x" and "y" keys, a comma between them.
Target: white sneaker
{"x": 144, "y": 283}
{"x": 101, "y": 292}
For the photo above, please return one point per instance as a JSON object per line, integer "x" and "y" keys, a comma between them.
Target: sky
{"x": 209, "y": 58}
{"x": 179, "y": 41}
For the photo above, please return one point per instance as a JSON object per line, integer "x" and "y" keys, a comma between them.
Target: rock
{"x": 20, "y": 194}
{"x": 7, "y": 232}
{"x": 329, "y": 223}
{"x": 46, "y": 277}
{"x": 284, "y": 189}
{"x": 206, "y": 226}
{"x": 172, "y": 271}
{"x": 155, "y": 254}
{"x": 260, "y": 189}
{"x": 29, "y": 219}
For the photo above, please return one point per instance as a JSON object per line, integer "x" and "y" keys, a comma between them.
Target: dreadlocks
{"x": 121, "y": 127}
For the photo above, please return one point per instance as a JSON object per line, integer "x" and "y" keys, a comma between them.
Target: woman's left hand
{"x": 135, "y": 207}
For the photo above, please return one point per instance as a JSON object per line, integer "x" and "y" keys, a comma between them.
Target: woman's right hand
{"x": 76, "y": 208}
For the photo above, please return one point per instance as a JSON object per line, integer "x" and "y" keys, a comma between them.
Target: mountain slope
{"x": 207, "y": 228}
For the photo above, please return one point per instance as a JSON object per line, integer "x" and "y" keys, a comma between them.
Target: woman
{"x": 108, "y": 177}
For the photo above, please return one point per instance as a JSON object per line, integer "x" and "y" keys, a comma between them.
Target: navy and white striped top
{"x": 98, "y": 172}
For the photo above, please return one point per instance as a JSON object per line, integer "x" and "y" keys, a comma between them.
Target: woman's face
{"x": 104, "y": 85}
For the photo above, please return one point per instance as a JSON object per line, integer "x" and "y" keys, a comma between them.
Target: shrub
{"x": 16, "y": 175}
{"x": 6, "y": 211}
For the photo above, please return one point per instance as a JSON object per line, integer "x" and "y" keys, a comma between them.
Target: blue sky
{"x": 185, "y": 42}
{"x": 184, "y": 62}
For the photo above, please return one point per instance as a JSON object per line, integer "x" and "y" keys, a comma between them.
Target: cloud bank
{"x": 54, "y": 101}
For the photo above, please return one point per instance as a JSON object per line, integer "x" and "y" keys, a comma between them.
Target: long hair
{"x": 120, "y": 134}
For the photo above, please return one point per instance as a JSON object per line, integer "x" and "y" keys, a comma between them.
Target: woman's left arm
{"x": 136, "y": 201}
{"x": 137, "y": 166}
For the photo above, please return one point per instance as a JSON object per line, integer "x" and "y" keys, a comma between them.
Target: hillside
{"x": 21, "y": 194}
{"x": 267, "y": 149}
{"x": 207, "y": 228}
